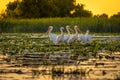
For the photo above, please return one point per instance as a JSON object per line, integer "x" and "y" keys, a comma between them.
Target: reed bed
{"x": 107, "y": 25}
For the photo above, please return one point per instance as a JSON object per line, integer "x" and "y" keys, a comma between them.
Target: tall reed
{"x": 41, "y": 25}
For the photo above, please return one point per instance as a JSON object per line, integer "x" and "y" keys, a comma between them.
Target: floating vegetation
{"x": 20, "y": 44}
{"x": 30, "y": 55}
{"x": 57, "y": 71}
{"x": 79, "y": 71}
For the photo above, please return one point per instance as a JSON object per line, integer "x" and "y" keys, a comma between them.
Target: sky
{"x": 109, "y": 7}
{"x": 3, "y": 4}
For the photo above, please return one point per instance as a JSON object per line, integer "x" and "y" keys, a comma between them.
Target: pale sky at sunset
{"x": 102, "y": 6}
{"x": 3, "y": 4}
{"x": 109, "y": 7}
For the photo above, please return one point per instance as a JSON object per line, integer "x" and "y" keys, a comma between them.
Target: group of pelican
{"x": 69, "y": 38}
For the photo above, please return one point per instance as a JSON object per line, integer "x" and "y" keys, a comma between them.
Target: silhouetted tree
{"x": 79, "y": 11}
{"x": 45, "y": 8}
{"x": 64, "y": 7}
{"x": 11, "y": 7}
{"x": 2, "y": 15}
{"x": 104, "y": 15}
{"x": 116, "y": 15}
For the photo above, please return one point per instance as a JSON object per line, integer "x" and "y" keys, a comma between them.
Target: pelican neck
{"x": 61, "y": 31}
{"x": 68, "y": 31}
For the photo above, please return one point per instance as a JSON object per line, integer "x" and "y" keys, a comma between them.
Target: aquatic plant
{"x": 57, "y": 71}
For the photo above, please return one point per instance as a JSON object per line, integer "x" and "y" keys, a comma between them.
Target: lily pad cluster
{"x": 25, "y": 44}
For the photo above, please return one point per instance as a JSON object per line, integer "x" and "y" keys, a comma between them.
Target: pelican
{"x": 52, "y": 37}
{"x": 88, "y": 36}
{"x": 82, "y": 38}
{"x": 61, "y": 36}
{"x": 75, "y": 36}
{"x": 66, "y": 37}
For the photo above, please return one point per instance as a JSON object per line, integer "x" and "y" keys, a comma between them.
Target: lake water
{"x": 109, "y": 71}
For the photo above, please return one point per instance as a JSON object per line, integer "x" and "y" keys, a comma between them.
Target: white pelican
{"x": 52, "y": 37}
{"x": 61, "y": 36}
{"x": 88, "y": 36}
{"x": 75, "y": 36}
{"x": 67, "y": 36}
{"x": 82, "y": 38}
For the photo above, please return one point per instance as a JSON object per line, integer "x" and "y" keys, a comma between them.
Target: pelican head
{"x": 61, "y": 28}
{"x": 68, "y": 28}
{"x": 76, "y": 28}
{"x": 50, "y": 27}
{"x": 87, "y": 31}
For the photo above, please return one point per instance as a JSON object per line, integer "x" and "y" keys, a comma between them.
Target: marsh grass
{"x": 40, "y": 25}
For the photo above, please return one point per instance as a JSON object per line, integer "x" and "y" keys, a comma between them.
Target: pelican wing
{"x": 72, "y": 38}
{"x": 53, "y": 38}
{"x": 89, "y": 38}
{"x": 60, "y": 38}
{"x": 82, "y": 38}
{"x": 66, "y": 38}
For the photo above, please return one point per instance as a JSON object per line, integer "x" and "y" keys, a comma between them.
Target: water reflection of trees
{"x": 40, "y": 74}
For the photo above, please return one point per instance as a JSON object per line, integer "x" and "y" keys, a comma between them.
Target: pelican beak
{"x": 71, "y": 30}
{"x": 78, "y": 30}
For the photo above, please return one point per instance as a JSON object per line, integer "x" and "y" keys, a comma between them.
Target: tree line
{"x": 48, "y": 8}
{"x": 45, "y": 8}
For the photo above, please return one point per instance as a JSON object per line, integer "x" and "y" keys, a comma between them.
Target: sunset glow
{"x": 109, "y": 7}
{"x": 3, "y": 4}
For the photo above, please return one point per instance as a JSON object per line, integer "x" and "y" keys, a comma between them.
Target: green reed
{"x": 40, "y": 25}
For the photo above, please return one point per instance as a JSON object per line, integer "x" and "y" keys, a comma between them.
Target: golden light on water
{"x": 109, "y": 7}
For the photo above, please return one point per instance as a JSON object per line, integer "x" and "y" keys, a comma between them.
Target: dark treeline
{"x": 22, "y": 9}
{"x": 45, "y": 8}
